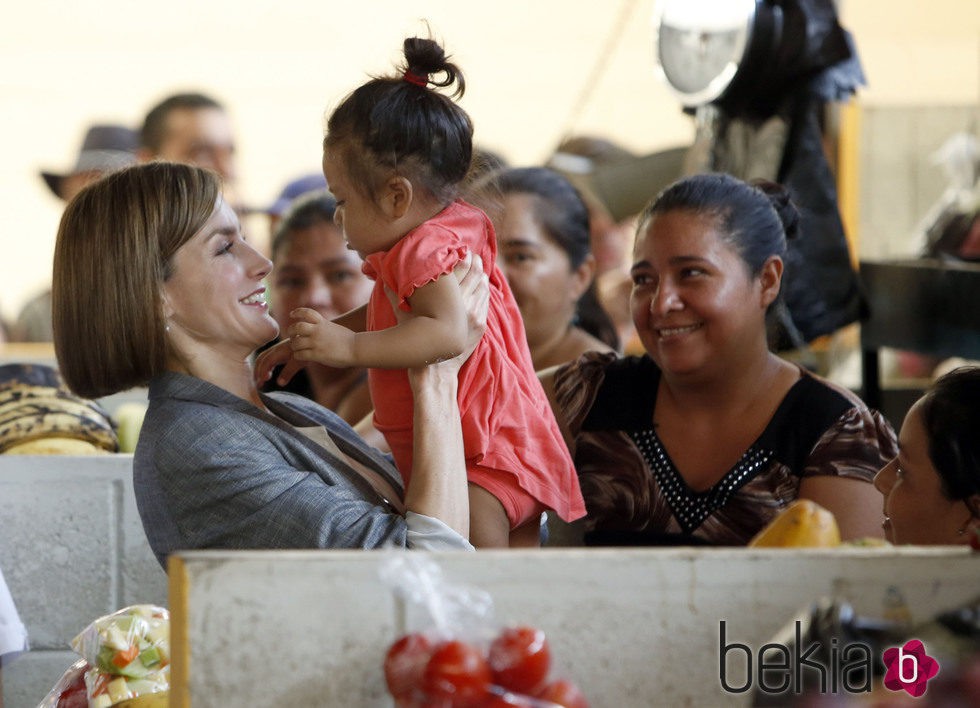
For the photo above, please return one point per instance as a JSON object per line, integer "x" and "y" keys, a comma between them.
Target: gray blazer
{"x": 211, "y": 470}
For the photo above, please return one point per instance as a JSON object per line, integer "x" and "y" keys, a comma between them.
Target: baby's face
{"x": 359, "y": 216}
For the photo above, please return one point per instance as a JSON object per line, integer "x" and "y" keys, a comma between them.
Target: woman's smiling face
{"x": 694, "y": 303}
{"x": 215, "y": 294}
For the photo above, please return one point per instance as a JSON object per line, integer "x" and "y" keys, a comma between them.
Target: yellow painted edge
{"x": 180, "y": 656}
{"x": 30, "y": 351}
{"x": 848, "y": 174}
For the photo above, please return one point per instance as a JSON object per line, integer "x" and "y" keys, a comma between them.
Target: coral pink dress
{"x": 508, "y": 426}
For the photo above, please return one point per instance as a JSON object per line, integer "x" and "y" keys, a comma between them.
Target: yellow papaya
{"x": 802, "y": 524}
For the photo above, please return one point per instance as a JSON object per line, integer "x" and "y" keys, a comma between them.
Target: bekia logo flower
{"x": 909, "y": 668}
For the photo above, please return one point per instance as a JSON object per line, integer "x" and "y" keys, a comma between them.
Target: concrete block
{"x": 28, "y": 679}
{"x": 631, "y": 627}
{"x": 60, "y": 530}
{"x": 72, "y": 549}
{"x": 303, "y": 661}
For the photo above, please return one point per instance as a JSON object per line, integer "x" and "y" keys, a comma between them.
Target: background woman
{"x": 709, "y": 435}
{"x": 312, "y": 267}
{"x": 155, "y": 284}
{"x": 542, "y": 228}
{"x": 932, "y": 488}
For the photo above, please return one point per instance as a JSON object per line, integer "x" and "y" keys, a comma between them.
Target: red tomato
{"x": 404, "y": 664}
{"x": 520, "y": 659}
{"x": 564, "y": 693}
{"x": 457, "y": 673}
{"x": 75, "y": 696}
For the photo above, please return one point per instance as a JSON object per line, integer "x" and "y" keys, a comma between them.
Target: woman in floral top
{"x": 707, "y": 437}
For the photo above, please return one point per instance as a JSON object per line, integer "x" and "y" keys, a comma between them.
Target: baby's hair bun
{"x": 425, "y": 57}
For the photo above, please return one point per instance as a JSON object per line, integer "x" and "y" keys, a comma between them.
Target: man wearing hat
{"x": 105, "y": 148}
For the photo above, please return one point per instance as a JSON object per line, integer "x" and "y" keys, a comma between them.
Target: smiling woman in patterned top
{"x": 709, "y": 435}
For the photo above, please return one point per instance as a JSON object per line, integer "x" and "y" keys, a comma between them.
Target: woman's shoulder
{"x": 832, "y": 389}
{"x": 816, "y": 411}
{"x": 592, "y": 364}
{"x": 823, "y": 399}
{"x": 606, "y": 390}
{"x": 177, "y": 398}
{"x": 812, "y": 403}
{"x": 576, "y": 343}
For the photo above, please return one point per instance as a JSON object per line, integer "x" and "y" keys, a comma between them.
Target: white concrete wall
{"x": 634, "y": 628}
{"x": 72, "y": 549}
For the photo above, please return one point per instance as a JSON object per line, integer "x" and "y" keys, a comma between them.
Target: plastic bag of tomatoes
{"x": 458, "y": 656}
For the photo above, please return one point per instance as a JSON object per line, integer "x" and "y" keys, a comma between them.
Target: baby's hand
{"x": 274, "y": 356}
{"x": 313, "y": 338}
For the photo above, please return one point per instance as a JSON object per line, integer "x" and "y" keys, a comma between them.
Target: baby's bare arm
{"x": 435, "y": 330}
{"x": 355, "y": 320}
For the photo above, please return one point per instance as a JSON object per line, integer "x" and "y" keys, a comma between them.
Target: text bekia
{"x": 814, "y": 668}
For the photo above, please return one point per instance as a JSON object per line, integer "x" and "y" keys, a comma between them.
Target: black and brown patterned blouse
{"x": 635, "y": 496}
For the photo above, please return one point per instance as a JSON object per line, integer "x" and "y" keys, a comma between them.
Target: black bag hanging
{"x": 767, "y": 125}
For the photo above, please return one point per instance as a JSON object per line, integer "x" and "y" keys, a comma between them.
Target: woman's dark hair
{"x": 951, "y": 415}
{"x": 755, "y": 219}
{"x": 561, "y": 212}
{"x": 307, "y": 210}
{"x": 398, "y": 124}
{"x": 485, "y": 161}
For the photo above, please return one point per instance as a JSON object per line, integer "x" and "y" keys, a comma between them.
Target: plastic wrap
{"x": 70, "y": 691}
{"x": 133, "y": 642}
{"x": 454, "y": 653}
{"x": 950, "y": 229}
{"x": 125, "y": 656}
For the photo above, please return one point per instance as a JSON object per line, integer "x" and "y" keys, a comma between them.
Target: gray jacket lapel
{"x": 290, "y": 410}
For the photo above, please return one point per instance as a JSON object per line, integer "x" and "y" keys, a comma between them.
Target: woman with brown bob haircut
{"x": 155, "y": 285}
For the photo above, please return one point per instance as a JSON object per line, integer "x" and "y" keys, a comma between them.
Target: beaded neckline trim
{"x": 691, "y": 508}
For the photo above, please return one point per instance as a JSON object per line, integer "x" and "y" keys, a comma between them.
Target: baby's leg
{"x": 489, "y": 525}
{"x": 505, "y": 517}
{"x": 527, "y": 535}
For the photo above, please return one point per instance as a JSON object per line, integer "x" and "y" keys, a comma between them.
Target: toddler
{"x": 395, "y": 153}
